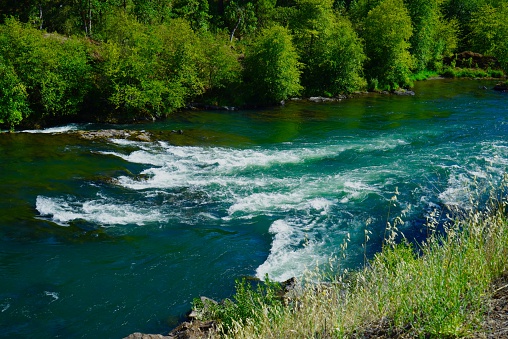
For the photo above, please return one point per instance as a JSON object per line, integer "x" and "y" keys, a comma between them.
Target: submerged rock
{"x": 114, "y": 134}
{"x": 502, "y": 87}
{"x": 404, "y": 92}
{"x": 132, "y": 135}
{"x": 323, "y": 99}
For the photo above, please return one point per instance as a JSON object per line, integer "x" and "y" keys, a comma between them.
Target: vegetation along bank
{"x": 133, "y": 60}
{"x": 453, "y": 285}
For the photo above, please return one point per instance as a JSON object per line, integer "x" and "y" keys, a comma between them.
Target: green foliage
{"x": 222, "y": 69}
{"x": 272, "y": 70}
{"x": 240, "y": 18}
{"x": 13, "y": 97}
{"x": 196, "y": 12}
{"x": 423, "y": 75}
{"x": 489, "y": 32}
{"x": 387, "y": 30}
{"x": 149, "y": 57}
{"x": 152, "y": 72}
{"x": 437, "y": 289}
{"x": 54, "y": 70}
{"x": 335, "y": 64}
{"x": 446, "y": 39}
{"x": 155, "y": 12}
{"x": 424, "y": 16}
{"x": 451, "y": 72}
{"x": 462, "y": 11}
{"x": 250, "y": 306}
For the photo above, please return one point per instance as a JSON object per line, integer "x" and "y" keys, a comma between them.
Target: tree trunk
{"x": 40, "y": 17}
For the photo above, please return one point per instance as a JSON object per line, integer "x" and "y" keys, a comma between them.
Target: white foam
{"x": 5, "y": 307}
{"x": 292, "y": 252}
{"x": 54, "y": 130}
{"x": 101, "y": 211}
{"x": 265, "y": 202}
{"x": 54, "y": 295}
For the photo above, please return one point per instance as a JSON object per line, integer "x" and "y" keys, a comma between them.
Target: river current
{"x": 106, "y": 238}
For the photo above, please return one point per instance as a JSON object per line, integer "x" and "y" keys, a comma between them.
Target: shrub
{"x": 54, "y": 70}
{"x": 250, "y": 306}
{"x": 489, "y": 32}
{"x": 14, "y": 105}
{"x": 272, "y": 70}
{"x": 387, "y": 31}
{"x": 151, "y": 71}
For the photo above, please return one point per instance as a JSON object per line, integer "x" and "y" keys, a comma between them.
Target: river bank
{"x": 455, "y": 284}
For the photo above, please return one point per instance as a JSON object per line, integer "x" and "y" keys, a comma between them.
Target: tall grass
{"x": 435, "y": 289}
{"x": 451, "y": 72}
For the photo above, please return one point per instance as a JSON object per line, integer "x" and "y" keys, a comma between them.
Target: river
{"x": 102, "y": 239}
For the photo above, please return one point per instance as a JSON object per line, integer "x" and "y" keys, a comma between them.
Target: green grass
{"x": 436, "y": 289}
{"x": 423, "y": 75}
{"x": 455, "y": 72}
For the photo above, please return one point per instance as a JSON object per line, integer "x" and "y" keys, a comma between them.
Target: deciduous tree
{"x": 387, "y": 32}
{"x": 272, "y": 70}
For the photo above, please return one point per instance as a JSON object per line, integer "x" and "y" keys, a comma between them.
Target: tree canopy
{"x": 147, "y": 58}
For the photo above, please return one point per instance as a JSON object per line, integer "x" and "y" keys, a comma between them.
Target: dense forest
{"x": 112, "y": 60}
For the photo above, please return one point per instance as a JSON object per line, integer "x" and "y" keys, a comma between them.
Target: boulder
{"x": 322, "y": 99}
{"x": 403, "y": 92}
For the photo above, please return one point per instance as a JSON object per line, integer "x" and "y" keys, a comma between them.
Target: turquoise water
{"x": 102, "y": 239}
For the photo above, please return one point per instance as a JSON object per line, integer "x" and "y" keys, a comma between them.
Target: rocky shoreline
{"x": 197, "y": 328}
{"x": 495, "y": 324}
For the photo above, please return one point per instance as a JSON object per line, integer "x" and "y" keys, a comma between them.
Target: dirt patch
{"x": 496, "y": 322}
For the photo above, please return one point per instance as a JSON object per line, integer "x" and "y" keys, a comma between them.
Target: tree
{"x": 240, "y": 18}
{"x": 151, "y": 71}
{"x": 222, "y": 71}
{"x": 387, "y": 30}
{"x": 14, "y": 105}
{"x": 196, "y": 12}
{"x": 336, "y": 65}
{"x": 272, "y": 69}
{"x": 462, "y": 11}
{"x": 424, "y": 17}
{"x": 489, "y": 32}
{"x": 54, "y": 70}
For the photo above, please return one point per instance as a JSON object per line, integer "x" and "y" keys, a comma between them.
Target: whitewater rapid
{"x": 314, "y": 194}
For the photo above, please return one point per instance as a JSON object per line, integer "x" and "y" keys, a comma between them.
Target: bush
{"x": 14, "y": 105}
{"x": 250, "y": 306}
{"x": 151, "y": 71}
{"x": 387, "y": 30}
{"x": 489, "y": 32}
{"x": 272, "y": 70}
{"x": 336, "y": 65}
{"x": 54, "y": 71}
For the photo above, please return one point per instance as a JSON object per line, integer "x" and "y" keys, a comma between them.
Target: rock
{"x": 502, "y": 87}
{"x": 322, "y": 99}
{"x": 114, "y": 134}
{"x": 138, "y": 335}
{"x": 403, "y": 92}
{"x": 195, "y": 314}
{"x": 199, "y": 106}
{"x": 195, "y": 329}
